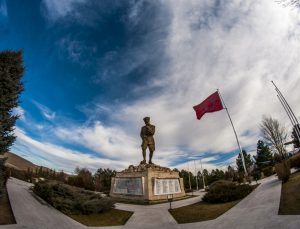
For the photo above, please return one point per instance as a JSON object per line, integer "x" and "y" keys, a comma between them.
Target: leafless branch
{"x": 287, "y": 3}
{"x": 274, "y": 134}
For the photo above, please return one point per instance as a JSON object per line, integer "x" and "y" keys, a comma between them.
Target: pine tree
{"x": 11, "y": 71}
{"x": 263, "y": 156}
{"x": 248, "y": 161}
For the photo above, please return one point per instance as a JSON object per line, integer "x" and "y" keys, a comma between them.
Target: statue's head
{"x": 146, "y": 120}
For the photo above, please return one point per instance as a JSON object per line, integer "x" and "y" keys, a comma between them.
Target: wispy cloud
{"x": 111, "y": 142}
{"x": 54, "y": 156}
{"x": 56, "y": 9}
{"x": 77, "y": 50}
{"x": 3, "y": 9}
{"x": 45, "y": 111}
{"x": 237, "y": 47}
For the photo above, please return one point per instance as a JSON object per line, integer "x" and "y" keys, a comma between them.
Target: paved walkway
{"x": 258, "y": 210}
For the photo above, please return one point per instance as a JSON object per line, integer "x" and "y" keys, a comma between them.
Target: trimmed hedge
{"x": 227, "y": 192}
{"x": 72, "y": 200}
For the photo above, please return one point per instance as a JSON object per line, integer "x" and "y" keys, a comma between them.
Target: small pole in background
{"x": 196, "y": 176}
{"x": 202, "y": 174}
{"x": 189, "y": 175}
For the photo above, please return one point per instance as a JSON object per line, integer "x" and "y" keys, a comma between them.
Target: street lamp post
{"x": 170, "y": 198}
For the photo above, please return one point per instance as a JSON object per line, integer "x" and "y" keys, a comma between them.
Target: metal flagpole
{"x": 295, "y": 122}
{"x": 196, "y": 175}
{"x": 202, "y": 175}
{"x": 290, "y": 117}
{"x": 237, "y": 140}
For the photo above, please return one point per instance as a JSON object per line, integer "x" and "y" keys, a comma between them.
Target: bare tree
{"x": 274, "y": 134}
{"x": 286, "y": 3}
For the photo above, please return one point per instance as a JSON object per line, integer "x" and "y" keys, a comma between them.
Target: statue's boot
{"x": 143, "y": 162}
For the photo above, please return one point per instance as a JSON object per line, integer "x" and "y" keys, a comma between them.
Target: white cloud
{"x": 76, "y": 50}
{"x": 3, "y": 8}
{"x": 56, "y": 9}
{"x": 238, "y": 47}
{"x": 110, "y": 141}
{"x": 58, "y": 157}
{"x": 45, "y": 111}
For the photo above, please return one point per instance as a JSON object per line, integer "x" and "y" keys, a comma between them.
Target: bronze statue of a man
{"x": 147, "y": 133}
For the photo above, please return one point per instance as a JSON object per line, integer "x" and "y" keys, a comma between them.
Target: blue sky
{"x": 94, "y": 69}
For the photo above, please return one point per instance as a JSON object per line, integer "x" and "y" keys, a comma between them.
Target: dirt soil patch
{"x": 6, "y": 214}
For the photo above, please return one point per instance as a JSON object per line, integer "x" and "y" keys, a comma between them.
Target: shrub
{"x": 43, "y": 190}
{"x": 71, "y": 200}
{"x": 219, "y": 182}
{"x": 295, "y": 161}
{"x": 226, "y": 192}
{"x": 283, "y": 171}
{"x": 96, "y": 205}
{"x": 268, "y": 171}
{"x": 256, "y": 174}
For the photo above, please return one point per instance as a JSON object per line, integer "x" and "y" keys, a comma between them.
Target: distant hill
{"x": 17, "y": 162}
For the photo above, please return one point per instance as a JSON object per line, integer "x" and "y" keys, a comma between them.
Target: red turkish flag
{"x": 211, "y": 104}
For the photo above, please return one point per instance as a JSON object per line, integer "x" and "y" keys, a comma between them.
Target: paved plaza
{"x": 258, "y": 210}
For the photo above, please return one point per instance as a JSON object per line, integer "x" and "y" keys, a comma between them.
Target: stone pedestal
{"x": 147, "y": 183}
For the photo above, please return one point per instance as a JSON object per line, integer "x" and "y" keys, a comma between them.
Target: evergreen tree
{"x": 188, "y": 178}
{"x": 102, "y": 179}
{"x": 11, "y": 71}
{"x": 215, "y": 175}
{"x": 83, "y": 179}
{"x": 263, "y": 156}
{"x": 248, "y": 161}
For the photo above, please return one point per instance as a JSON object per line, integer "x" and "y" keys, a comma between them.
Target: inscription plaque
{"x": 166, "y": 186}
{"x": 128, "y": 186}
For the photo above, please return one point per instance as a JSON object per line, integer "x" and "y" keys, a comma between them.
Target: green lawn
{"x": 113, "y": 217}
{"x": 6, "y": 214}
{"x": 290, "y": 196}
{"x": 200, "y": 211}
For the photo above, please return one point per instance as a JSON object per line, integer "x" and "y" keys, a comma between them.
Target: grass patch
{"x": 290, "y": 196}
{"x": 113, "y": 217}
{"x": 6, "y": 214}
{"x": 201, "y": 211}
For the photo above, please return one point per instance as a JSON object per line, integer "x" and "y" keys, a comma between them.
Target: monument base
{"x": 147, "y": 183}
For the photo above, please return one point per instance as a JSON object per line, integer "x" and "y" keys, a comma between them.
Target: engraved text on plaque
{"x": 166, "y": 186}
{"x": 128, "y": 186}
